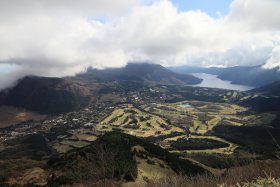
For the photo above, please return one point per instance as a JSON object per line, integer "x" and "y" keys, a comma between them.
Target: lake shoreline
{"x": 212, "y": 81}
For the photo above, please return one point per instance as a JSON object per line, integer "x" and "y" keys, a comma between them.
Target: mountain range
{"x": 142, "y": 72}
{"x": 51, "y": 95}
{"x": 58, "y": 95}
{"x": 246, "y": 75}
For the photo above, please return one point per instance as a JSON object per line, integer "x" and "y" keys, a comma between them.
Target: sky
{"x": 60, "y": 38}
{"x": 214, "y": 8}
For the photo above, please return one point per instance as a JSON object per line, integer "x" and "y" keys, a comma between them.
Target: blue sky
{"x": 211, "y": 7}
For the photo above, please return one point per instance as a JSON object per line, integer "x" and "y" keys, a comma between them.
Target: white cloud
{"x": 274, "y": 60}
{"x": 256, "y": 14}
{"x": 58, "y": 38}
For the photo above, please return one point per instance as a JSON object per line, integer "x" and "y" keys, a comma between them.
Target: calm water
{"x": 212, "y": 81}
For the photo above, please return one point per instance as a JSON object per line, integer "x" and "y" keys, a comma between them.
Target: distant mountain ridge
{"x": 148, "y": 73}
{"x": 246, "y": 75}
{"x": 252, "y": 76}
{"x": 50, "y": 95}
{"x": 193, "y": 69}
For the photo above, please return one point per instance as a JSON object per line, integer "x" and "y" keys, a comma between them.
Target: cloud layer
{"x": 58, "y": 38}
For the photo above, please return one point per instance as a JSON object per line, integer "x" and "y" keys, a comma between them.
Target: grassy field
{"x": 194, "y": 118}
{"x": 149, "y": 168}
{"x": 136, "y": 122}
{"x": 184, "y": 125}
{"x": 202, "y": 117}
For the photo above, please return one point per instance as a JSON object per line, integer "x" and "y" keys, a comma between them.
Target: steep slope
{"x": 148, "y": 73}
{"x": 46, "y": 95}
{"x": 3, "y": 95}
{"x": 272, "y": 89}
{"x": 258, "y": 139}
{"x": 114, "y": 156}
{"x": 265, "y": 98}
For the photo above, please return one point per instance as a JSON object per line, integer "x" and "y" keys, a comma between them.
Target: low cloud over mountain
{"x": 45, "y": 38}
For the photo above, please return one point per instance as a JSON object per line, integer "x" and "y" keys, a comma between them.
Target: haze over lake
{"x": 212, "y": 81}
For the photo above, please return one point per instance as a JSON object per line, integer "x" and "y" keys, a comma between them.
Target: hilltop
{"x": 142, "y": 72}
{"x": 46, "y": 95}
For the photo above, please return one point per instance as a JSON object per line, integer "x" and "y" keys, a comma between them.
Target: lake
{"x": 212, "y": 81}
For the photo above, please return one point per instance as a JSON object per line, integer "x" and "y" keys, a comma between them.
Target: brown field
{"x": 12, "y": 115}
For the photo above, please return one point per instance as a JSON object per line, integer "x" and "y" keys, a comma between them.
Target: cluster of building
{"x": 60, "y": 124}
